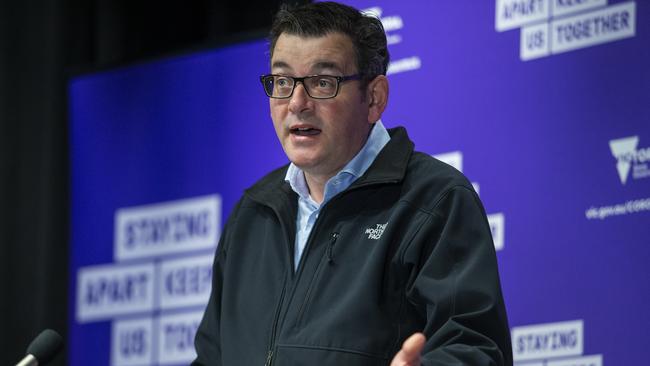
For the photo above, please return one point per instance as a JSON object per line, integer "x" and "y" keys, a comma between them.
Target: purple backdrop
{"x": 543, "y": 104}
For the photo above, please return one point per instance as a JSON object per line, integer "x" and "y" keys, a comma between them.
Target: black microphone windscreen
{"x": 45, "y": 346}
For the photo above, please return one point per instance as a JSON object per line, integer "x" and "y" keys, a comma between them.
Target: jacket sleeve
{"x": 207, "y": 341}
{"x": 455, "y": 285}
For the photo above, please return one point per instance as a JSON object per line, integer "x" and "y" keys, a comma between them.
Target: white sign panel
{"x": 132, "y": 342}
{"x": 515, "y": 13}
{"x": 564, "y": 7}
{"x": 176, "y": 338}
{"x": 107, "y": 290}
{"x": 596, "y": 360}
{"x": 534, "y": 342}
{"x": 453, "y": 158}
{"x": 534, "y": 42}
{"x": 602, "y": 26}
{"x": 498, "y": 227}
{"x": 167, "y": 228}
{"x": 185, "y": 282}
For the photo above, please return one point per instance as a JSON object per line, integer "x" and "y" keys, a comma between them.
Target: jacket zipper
{"x": 276, "y": 320}
{"x": 333, "y": 238}
{"x": 328, "y": 254}
{"x": 269, "y": 354}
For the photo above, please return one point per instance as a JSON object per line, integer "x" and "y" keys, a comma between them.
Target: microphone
{"x": 42, "y": 349}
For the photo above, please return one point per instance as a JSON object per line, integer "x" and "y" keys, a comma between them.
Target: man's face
{"x": 319, "y": 135}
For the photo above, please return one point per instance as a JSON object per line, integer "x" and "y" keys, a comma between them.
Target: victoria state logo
{"x": 630, "y": 158}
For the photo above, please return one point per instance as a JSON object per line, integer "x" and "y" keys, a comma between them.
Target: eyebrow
{"x": 318, "y": 66}
{"x": 281, "y": 65}
{"x": 327, "y": 65}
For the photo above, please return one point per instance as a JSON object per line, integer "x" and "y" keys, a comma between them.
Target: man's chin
{"x": 304, "y": 164}
{"x": 303, "y": 157}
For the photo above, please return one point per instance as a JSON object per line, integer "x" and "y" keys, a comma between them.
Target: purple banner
{"x": 542, "y": 104}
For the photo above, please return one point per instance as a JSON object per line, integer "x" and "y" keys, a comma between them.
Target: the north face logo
{"x": 375, "y": 233}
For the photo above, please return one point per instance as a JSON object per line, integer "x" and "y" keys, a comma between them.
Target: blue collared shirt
{"x": 308, "y": 209}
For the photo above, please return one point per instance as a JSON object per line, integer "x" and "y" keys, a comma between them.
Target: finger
{"x": 414, "y": 344}
{"x": 409, "y": 355}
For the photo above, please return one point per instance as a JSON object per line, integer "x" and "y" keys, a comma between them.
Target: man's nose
{"x": 300, "y": 100}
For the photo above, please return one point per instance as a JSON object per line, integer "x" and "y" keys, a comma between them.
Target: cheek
{"x": 350, "y": 117}
{"x": 278, "y": 114}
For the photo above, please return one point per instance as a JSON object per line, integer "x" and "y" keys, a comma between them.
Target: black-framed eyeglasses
{"x": 316, "y": 86}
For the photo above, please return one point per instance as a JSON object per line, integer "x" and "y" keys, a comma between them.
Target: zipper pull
{"x": 269, "y": 357}
{"x": 330, "y": 255}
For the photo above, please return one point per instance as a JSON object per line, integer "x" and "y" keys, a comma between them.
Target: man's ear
{"x": 377, "y": 97}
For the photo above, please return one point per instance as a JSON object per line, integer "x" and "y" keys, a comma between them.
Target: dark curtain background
{"x": 43, "y": 43}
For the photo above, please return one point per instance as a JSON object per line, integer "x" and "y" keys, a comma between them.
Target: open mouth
{"x": 305, "y": 131}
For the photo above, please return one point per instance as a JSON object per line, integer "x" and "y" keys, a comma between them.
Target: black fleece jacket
{"x": 405, "y": 248}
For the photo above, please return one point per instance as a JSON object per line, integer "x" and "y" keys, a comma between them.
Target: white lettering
{"x": 515, "y": 13}
{"x": 131, "y": 342}
{"x": 404, "y": 64}
{"x": 607, "y": 25}
{"x": 629, "y": 207}
{"x": 565, "y": 7}
{"x": 547, "y": 340}
{"x": 534, "y": 42}
{"x": 106, "y": 291}
{"x": 185, "y": 282}
{"x": 166, "y": 228}
{"x": 392, "y": 23}
{"x": 176, "y": 342}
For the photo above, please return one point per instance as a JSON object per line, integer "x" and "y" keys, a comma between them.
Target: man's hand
{"x": 409, "y": 355}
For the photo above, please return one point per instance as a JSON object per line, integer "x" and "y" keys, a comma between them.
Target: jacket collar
{"x": 389, "y": 167}
{"x": 391, "y": 163}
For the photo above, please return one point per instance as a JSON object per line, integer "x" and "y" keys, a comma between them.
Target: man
{"x": 361, "y": 251}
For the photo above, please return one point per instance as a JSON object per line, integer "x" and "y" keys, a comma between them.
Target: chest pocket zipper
{"x": 328, "y": 256}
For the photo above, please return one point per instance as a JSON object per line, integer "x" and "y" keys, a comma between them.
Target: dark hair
{"x": 318, "y": 19}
